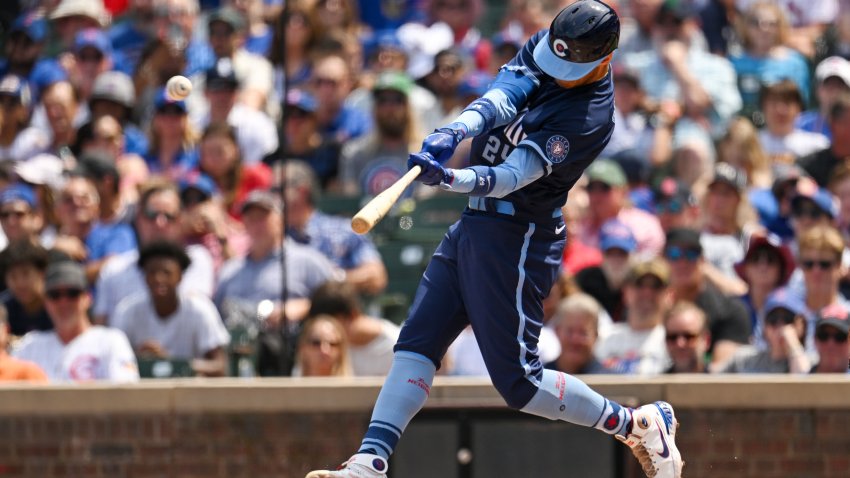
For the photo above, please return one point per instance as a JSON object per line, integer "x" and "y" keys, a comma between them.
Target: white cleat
{"x": 653, "y": 440}
{"x": 361, "y": 465}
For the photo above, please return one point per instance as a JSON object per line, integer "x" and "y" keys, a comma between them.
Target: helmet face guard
{"x": 578, "y": 41}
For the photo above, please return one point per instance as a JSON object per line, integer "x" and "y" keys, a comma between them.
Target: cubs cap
{"x": 834, "y": 315}
{"x": 615, "y": 235}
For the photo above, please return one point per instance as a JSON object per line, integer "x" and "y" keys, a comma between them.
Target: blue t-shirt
{"x": 350, "y": 123}
{"x": 568, "y": 127}
{"x": 107, "y": 239}
{"x": 754, "y": 72}
{"x": 813, "y": 122}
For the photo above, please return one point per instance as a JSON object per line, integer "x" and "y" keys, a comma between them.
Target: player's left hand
{"x": 441, "y": 144}
{"x": 433, "y": 173}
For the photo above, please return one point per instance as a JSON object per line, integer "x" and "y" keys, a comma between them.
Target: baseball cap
{"x": 42, "y": 169}
{"x": 393, "y": 80}
{"x": 615, "y": 235}
{"x": 198, "y": 182}
{"x": 684, "y": 237}
{"x": 474, "y": 84}
{"x": 671, "y": 190}
{"x": 784, "y": 298}
{"x": 18, "y": 192}
{"x": 302, "y": 100}
{"x": 222, "y": 76}
{"x": 775, "y": 244}
{"x": 834, "y": 315}
{"x": 725, "y": 173}
{"x": 228, "y": 15}
{"x": 114, "y": 86}
{"x": 95, "y": 38}
{"x": 388, "y": 39}
{"x": 606, "y": 171}
{"x": 162, "y": 100}
{"x": 84, "y": 8}
{"x": 16, "y": 87}
{"x": 654, "y": 267}
{"x": 46, "y": 73}
{"x": 96, "y": 165}
{"x": 65, "y": 274}
{"x": 267, "y": 200}
{"x": 821, "y": 197}
{"x": 678, "y": 9}
{"x": 833, "y": 66}
{"x": 32, "y": 25}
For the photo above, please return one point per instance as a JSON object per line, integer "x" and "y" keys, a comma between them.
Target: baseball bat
{"x": 377, "y": 208}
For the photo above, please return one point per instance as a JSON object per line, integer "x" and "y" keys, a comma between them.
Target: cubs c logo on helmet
{"x": 560, "y": 47}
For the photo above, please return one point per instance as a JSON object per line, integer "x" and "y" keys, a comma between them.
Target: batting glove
{"x": 442, "y": 142}
{"x": 433, "y": 173}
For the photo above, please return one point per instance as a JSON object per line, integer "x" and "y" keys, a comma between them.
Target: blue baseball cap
{"x": 821, "y": 197}
{"x": 474, "y": 84}
{"x": 16, "y": 87}
{"x": 302, "y": 100}
{"x": 200, "y": 182}
{"x": 46, "y": 73}
{"x": 162, "y": 100}
{"x": 784, "y": 298}
{"x": 95, "y": 38}
{"x": 18, "y": 192}
{"x": 616, "y": 235}
{"x": 32, "y": 25}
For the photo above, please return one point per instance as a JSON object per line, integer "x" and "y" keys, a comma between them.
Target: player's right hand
{"x": 442, "y": 142}
{"x": 433, "y": 173}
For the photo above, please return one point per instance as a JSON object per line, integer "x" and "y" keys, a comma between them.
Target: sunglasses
{"x": 649, "y": 283}
{"x": 838, "y": 337}
{"x": 319, "y": 82}
{"x": 761, "y": 23}
{"x": 597, "y": 186}
{"x": 780, "y": 316}
{"x": 90, "y": 57}
{"x": 674, "y": 253}
{"x": 8, "y": 214}
{"x": 171, "y": 111}
{"x": 152, "y": 215}
{"x": 387, "y": 99}
{"x": 809, "y": 264}
{"x": 674, "y": 337}
{"x": 763, "y": 256}
{"x": 72, "y": 294}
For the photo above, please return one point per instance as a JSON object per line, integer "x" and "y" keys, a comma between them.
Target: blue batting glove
{"x": 442, "y": 142}
{"x": 433, "y": 173}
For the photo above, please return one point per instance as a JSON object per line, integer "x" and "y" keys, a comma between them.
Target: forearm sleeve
{"x": 522, "y": 167}
{"x": 508, "y": 93}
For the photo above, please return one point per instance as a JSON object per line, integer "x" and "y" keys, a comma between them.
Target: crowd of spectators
{"x": 710, "y": 236}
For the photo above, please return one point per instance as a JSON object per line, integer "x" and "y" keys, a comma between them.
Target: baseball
{"x": 178, "y": 88}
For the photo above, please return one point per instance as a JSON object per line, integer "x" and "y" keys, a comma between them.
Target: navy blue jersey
{"x": 568, "y": 127}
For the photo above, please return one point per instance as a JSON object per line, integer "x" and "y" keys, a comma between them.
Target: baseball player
{"x": 544, "y": 119}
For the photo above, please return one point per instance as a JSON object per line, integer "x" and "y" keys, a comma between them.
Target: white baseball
{"x": 178, "y": 88}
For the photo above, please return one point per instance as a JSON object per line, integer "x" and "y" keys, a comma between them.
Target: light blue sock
{"x": 404, "y": 393}
{"x": 564, "y": 397}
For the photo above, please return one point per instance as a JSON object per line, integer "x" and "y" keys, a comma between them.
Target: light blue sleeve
{"x": 521, "y": 168}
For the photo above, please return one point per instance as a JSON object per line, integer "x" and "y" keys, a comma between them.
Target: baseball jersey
{"x": 567, "y": 127}
{"x": 99, "y": 353}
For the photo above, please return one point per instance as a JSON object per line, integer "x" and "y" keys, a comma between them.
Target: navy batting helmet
{"x": 579, "y": 39}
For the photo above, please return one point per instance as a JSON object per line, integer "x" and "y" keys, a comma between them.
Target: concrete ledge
{"x": 281, "y": 395}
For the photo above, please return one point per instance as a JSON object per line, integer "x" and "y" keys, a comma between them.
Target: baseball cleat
{"x": 652, "y": 439}
{"x": 361, "y": 465}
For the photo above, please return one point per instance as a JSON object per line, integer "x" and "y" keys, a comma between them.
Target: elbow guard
{"x": 486, "y": 109}
{"x": 485, "y": 181}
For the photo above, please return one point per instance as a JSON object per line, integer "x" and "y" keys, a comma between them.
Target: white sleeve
{"x": 122, "y": 365}
{"x": 211, "y": 334}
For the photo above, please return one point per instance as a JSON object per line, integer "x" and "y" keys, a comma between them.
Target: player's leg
{"x": 519, "y": 269}
{"x": 436, "y": 318}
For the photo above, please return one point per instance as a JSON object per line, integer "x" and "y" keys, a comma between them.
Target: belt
{"x": 500, "y": 206}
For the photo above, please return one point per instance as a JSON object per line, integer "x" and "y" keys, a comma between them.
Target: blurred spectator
{"x": 171, "y": 152}
{"x": 676, "y": 68}
{"x": 162, "y": 322}
{"x": 157, "y": 217}
{"x": 575, "y": 323}
{"x": 728, "y": 320}
{"x": 636, "y": 346}
{"x": 688, "y": 338}
{"x": 336, "y": 16}
{"x": 19, "y": 214}
{"x": 675, "y": 206}
{"x": 61, "y": 105}
{"x": 18, "y": 141}
{"x": 638, "y": 28}
{"x": 23, "y": 265}
{"x": 461, "y": 16}
{"x": 81, "y": 235}
{"x": 693, "y": 161}
{"x": 255, "y": 131}
{"x": 767, "y": 265}
{"x": 246, "y": 281}
{"x": 384, "y": 16}
{"x": 258, "y": 39}
{"x": 839, "y": 186}
{"x": 831, "y": 331}
{"x": 113, "y": 94}
{"x": 203, "y": 220}
{"x": 604, "y": 282}
{"x": 222, "y": 162}
{"x": 716, "y": 22}
{"x": 524, "y": 18}
{"x": 331, "y": 82}
{"x": 443, "y": 81}
{"x": 370, "y": 339}
{"x": 175, "y": 33}
{"x": 784, "y": 334}
{"x": 75, "y": 350}
{"x": 373, "y": 162}
{"x": 836, "y": 40}
{"x": 12, "y": 369}
{"x": 811, "y": 206}
{"x": 773, "y": 204}
{"x": 330, "y": 235}
{"x": 227, "y": 31}
{"x": 820, "y": 164}
{"x": 22, "y": 50}
{"x": 297, "y": 33}
{"x": 132, "y": 34}
{"x": 808, "y": 19}
{"x": 782, "y": 103}
{"x": 90, "y": 57}
{"x": 765, "y": 59}
{"x": 73, "y": 16}
{"x": 103, "y": 172}
{"x": 322, "y": 349}
{"x": 742, "y": 148}
{"x": 504, "y": 49}
{"x": 305, "y": 142}
{"x": 833, "y": 80}
{"x": 606, "y": 188}
{"x": 577, "y": 254}
{"x": 725, "y": 210}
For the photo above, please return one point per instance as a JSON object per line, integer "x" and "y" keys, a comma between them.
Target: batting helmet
{"x": 579, "y": 39}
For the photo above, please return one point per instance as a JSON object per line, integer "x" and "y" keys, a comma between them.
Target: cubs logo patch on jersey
{"x": 557, "y": 148}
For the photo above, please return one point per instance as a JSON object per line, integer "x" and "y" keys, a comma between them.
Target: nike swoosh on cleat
{"x": 665, "y": 453}
{"x": 560, "y": 229}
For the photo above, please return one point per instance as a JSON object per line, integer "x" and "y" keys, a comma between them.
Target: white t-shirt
{"x": 256, "y": 133}
{"x": 99, "y": 353}
{"x": 637, "y": 352}
{"x": 799, "y": 143}
{"x": 190, "y": 332}
{"x": 376, "y": 357}
{"x": 121, "y": 277}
